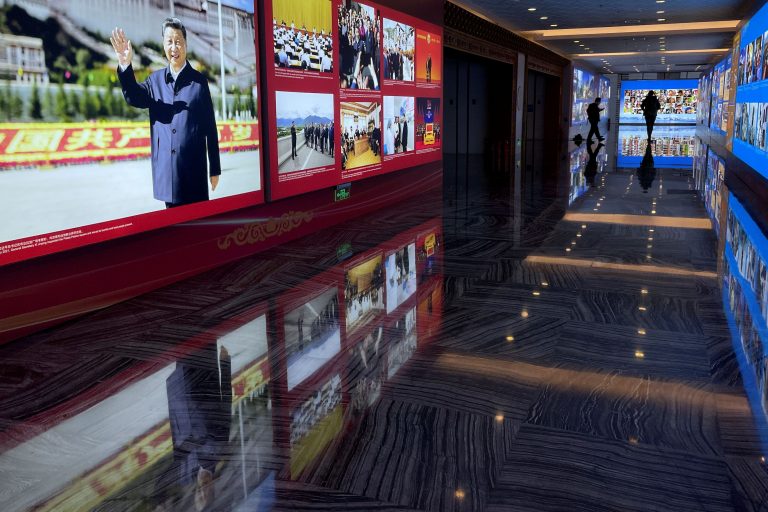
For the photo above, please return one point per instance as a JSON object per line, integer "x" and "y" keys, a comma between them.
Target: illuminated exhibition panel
{"x": 678, "y": 99}
{"x": 356, "y": 91}
{"x": 82, "y": 162}
{"x": 751, "y": 115}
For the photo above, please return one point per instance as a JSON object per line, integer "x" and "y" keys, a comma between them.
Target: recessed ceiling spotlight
{"x": 659, "y": 12}
{"x": 531, "y": 9}
{"x": 660, "y": 1}
{"x": 582, "y": 45}
{"x": 544, "y": 18}
{"x": 662, "y": 19}
{"x": 553, "y": 25}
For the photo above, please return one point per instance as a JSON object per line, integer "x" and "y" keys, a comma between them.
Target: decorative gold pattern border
{"x": 260, "y": 231}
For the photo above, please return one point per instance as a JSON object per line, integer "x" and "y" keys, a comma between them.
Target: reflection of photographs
{"x": 403, "y": 343}
{"x": 360, "y": 134}
{"x": 301, "y": 34}
{"x": 359, "y": 34}
{"x": 367, "y": 357}
{"x": 317, "y": 407}
{"x": 401, "y": 276}
{"x": 429, "y": 57}
{"x": 64, "y": 104}
{"x": 312, "y": 336}
{"x": 399, "y": 51}
{"x": 427, "y": 251}
{"x": 364, "y": 292}
{"x": 305, "y": 131}
{"x": 429, "y": 119}
{"x": 399, "y": 124}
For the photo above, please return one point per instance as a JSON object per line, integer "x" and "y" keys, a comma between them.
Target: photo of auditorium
{"x": 399, "y": 51}
{"x": 360, "y": 134}
{"x": 301, "y": 32}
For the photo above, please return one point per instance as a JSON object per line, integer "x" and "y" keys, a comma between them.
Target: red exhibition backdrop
{"x": 314, "y": 94}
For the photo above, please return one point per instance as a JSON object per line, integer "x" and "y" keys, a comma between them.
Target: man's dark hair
{"x": 174, "y": 23}
{"x": 598, "y": 99}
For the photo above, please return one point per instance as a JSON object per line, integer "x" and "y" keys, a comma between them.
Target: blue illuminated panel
{"x": 678, "y": 98}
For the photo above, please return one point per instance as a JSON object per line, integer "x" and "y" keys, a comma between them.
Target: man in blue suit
{"x": 181, "y": 116}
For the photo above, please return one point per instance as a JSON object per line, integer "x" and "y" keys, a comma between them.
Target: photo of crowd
{"x": 301, "y": 33}
{"x": 312, "y": 336}
{"x": 364, "y": 292}
{"x": 305, "y": 131}
{"x": 401, "y": 276}
{"x": 399, "y": 51}
{"x": 428, "y": 122}
{"x": 429, "y": 57}
{"x": 750, "y": 124}
{"x": 398, "y": 125}
{"x": 359, "y": 35}
{"x": 673, "y": 101}
{"x": 314, "y": 409}
{"x": 360, "y": 134}
{"x": 753, "y": 66}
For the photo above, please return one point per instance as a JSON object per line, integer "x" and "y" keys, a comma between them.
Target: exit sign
{"x": 342, "y": 192}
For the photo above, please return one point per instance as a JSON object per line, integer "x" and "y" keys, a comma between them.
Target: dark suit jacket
{"x": 405, "y": 135}
{"x": 183, "y": 127}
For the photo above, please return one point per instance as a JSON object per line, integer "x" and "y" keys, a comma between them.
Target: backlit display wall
{"x": 751, "y": 114}
{"x": 705, "y": 99}
{"x": 356, "y": 91}
{"x": 720, "y": 95}
{"x": 585, "y": 90}
{"x": 678, "y": 99}
{"x": 80, "y": 163}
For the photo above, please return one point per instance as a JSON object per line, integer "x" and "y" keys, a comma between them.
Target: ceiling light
{"x": 544, "y": 18}
{"x": 662, "y": 19}
{"x": 660, "y": 1}
{"x": 659, "y": 12}
{"x": 553, "y": 25}
{"x": 531, "y": 9}
{"x": 576, "y": 41}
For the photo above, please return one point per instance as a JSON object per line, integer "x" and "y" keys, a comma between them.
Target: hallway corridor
{"x": 552, "y": 357}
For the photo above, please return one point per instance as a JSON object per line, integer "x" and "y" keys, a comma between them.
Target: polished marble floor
{"x": 477, "y": 349}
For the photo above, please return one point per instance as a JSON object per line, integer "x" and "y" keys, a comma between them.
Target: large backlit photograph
{"x": 96, "y": 133}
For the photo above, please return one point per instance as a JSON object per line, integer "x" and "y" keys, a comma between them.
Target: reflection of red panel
{"x": 108, "y": 387}
{"x": 430, "y": 310}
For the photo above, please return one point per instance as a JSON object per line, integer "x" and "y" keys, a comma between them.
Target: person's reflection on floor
{"x": 590, "y": 170}
{"x": 647, "y": 171}
{"x": 199, "y": 406}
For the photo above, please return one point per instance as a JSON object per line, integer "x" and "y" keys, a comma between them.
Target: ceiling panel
{"x": 514, "y": 14}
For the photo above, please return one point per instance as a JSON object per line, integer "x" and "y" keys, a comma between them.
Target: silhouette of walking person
{"x": 650, "y": 107}
{"x": 593, "y": 116}
{"x": 590, "y": 170}
{"x": 646, "y": 173}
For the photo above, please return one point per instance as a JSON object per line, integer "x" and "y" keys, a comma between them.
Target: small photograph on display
{"x": 429, "y": 119}
{"x": 401, "y": 276}
{"x": 312, "y": 336}
{"x": 360, "y": 134}
{"x": 305, "y": 131}
{"x": 301, "y": 35}
{"x": 399, "y": 51}
{"x": 359, "y": 33}
{"x": 399, "y": 125}
{"x": 364, "y": 292}
{"x": 757, "y": 67}
{"x": 429, "y": 57}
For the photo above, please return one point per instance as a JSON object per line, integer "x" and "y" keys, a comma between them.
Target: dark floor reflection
{"x": 558, "y": 347}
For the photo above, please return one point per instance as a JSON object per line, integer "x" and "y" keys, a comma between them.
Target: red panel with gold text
{"x": 356, "y": 92}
